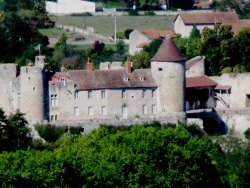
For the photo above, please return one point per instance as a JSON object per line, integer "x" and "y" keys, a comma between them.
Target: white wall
{"x": 69, "y": 6}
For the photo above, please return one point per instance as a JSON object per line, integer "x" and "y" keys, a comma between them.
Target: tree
{"x": 241, "y": 7}
{"x": 217, "y": 47}
{"x": 120, "y": 47}
{"x": 195, "y": 33}
{"x": 242, "y": 44}
{"x": 136, "y": 156}
{"x": 183, "y": 4}
{"x": 141, "y": 60}
{"x": 14, "y": 133}
{"x": 153, "y": 47}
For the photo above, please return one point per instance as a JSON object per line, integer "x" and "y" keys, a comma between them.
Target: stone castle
{"x": 118, "y": 94}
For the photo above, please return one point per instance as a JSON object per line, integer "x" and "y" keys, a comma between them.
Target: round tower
{"x": 32, "y": 91}
{"x": 168, "y": 69}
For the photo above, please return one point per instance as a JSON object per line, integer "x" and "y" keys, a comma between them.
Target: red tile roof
{"x": 168, "y": 52}
{"x": 193, "y": 61}
{"x": 155, "y": 34}
{"x": 200, "y": 81}
{"x": 107, "y": 79}
{"x": 208, "y": 17}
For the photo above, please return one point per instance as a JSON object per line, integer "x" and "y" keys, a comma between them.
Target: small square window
{"x": 103, "y": 94}
{"x": 123, "y": 94}
{"x": 159, "y": 69}
{"x": 90, "y": 111}
{"x": 76, "y": 111}
{"x": 143, "y": 93}
{"x": 90, "y": 94}
{"x": 144, "y": 109}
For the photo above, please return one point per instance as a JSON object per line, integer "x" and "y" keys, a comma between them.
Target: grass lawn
{"x": 105, "y": 25}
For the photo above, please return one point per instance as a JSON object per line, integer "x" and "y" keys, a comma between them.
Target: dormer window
{"x": 125, "y": 79}
{"x": 141, "y": 78}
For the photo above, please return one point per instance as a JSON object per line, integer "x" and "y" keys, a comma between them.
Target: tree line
{"x": 149, "y": 155}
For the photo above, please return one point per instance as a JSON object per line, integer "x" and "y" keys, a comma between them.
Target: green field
{"x": 105, "y": 25}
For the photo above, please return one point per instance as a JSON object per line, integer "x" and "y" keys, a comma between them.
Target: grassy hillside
{"x": 105, "y": 24}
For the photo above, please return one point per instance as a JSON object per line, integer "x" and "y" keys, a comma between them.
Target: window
{"x": 144, "y": 109}
{"x": 142, "y": 78}
{"x": 123, "y": 94}
{"x": 90, "y": 111}
{"x": 159, "y": 69}
{"x": 76, "y": 95}
{"x": 55, "y": 117}
{"x": 103, "y": 94}
{"x": 52, "y": 117}
{"x": 124, "y": 111}
{"x": 125, "y": 79}
{"x": 104, "y": 110}
{"x": 54, "y": 100}
{"x": 34, "y": 88}
{"x": 143, "y": 93}
{"x": 153, "y": 93}
{"x": 90, "y": 94}
{"x": 154, "y": 109}
{"x": 76, "y": 111}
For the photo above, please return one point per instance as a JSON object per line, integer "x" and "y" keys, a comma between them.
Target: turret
{"x": 32, "y": 90}
{"x": 168, "y": 69}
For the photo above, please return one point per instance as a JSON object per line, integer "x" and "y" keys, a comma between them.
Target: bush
{"x": 149, "y": 13}
{"x": 247, "y": 134}
{"x": 49, "y": 132}
{"x": 133, "y": 13}
{"x": 82, "y": 14}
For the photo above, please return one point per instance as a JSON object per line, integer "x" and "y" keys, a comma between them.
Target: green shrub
{"x": 49, "y": 132}
{"x": 120, "y": 35}
{"x": 247, "y": 134}
{"x": 149, "y": 13}
{"x": 133, "y": 13}
{"x": 82, "y": 14}
{"x": 226, "y": 70}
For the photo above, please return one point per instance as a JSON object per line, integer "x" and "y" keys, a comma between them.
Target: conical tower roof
{"x": 168, "y": 52}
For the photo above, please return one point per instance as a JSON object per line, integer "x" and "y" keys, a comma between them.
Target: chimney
{"x": 128, "y": 66}
{"x": 89, "y": 65}
{"x": 63, "y": 69}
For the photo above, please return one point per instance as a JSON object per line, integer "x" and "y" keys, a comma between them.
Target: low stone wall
{"x": 90, "y": 31}
{"x": 91, "y": 124}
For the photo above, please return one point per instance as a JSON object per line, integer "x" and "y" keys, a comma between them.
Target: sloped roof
{"x": 193, "y": 61}
{"x": 168, "y": 52}
{"x": 208, "y": 17}
{"x": 155, "y": 34}
{"x": 238, "y": 26}
{"x": 200, "y": 81}
{"x": 107, "y": 79}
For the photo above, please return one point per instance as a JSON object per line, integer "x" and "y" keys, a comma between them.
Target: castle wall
{"x": 71, "y": 105}
{"x": 198, "y": 69}
{"x": 238, "y": 96}
{"x": 8, "y": 73}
